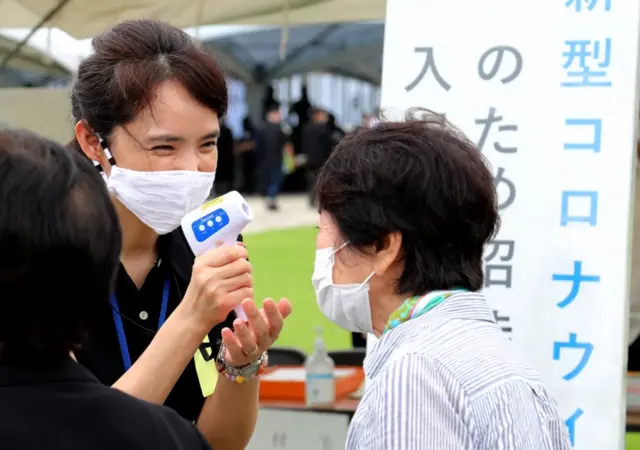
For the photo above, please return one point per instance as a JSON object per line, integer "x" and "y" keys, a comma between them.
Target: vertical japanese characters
{"x": 502, "y": 63}
{"x": 585, "y": 62}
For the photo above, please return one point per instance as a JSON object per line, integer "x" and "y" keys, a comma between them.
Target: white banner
{"x": 547, "y": 89}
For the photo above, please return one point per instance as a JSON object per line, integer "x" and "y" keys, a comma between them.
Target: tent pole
{"x": 50, "y": 15}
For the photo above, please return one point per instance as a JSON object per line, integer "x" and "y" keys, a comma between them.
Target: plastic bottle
{"x": 320, "y": 389}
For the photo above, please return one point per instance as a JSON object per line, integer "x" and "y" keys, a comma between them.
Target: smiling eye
{"x": 162, "y": 148}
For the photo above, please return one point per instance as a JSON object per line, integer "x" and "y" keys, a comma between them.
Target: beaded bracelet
{"x": 240, "y": 374}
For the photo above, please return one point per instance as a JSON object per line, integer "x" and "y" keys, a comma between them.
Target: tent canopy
{"x": 86, "y": 18}
{"x": 353, "y": 50}
{"x": 30, "y": 66}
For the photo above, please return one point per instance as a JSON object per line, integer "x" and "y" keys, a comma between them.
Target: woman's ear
{"x": 388, "y": 252}
{"x": 90, "y": 144}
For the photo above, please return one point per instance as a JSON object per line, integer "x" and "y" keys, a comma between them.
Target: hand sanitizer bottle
{"x": 320, "y": 387}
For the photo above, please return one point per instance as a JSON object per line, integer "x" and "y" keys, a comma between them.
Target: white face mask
{"x": 160, "y": 199}
{"x": 346, "y": 305}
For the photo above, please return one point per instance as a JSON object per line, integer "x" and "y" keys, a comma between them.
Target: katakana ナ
{"x": 572, "y": 343}
{"x": 486, "y": 128}
{"x": 586, "y": 63}
{"x": 489, "y": 73}
{"x": 429, "y": 65}
{"x": 499, "y": 274}
{"x": 595, "y": 143}
{"x": 576, "y": 278}
{"x": 587, "y": 197}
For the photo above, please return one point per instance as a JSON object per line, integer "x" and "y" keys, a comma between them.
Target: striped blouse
{"x": 450, "y": 379}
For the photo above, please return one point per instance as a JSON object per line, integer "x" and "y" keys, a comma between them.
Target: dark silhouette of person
{"x": 225, "y": 172}
{"x": 337, "y": 133}
{"x": 271, "y": 141}
{"x": 269, "y": 101}
{"x": 246, "y": 148}
{"x": 317, "y": 145}
{"x": 302, "y": 108}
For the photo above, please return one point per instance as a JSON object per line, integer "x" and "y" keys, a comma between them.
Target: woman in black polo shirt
{"x": 148, "y": 105}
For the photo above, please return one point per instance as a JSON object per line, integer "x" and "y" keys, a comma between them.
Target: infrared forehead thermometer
{"x": 219, "y": 221}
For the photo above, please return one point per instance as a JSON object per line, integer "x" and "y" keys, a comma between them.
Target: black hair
{"x": 424, "y": 179}
{"x": 272, "y": 107}
{"x": 59, "y": 249}
{"x": 129, "y": 62}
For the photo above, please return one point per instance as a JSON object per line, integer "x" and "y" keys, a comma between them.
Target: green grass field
{"x": 282, "y": 266}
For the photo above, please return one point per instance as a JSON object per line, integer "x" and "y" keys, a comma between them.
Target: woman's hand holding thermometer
{"x": 222, "y": 281}
{"x": 217, "y": 224}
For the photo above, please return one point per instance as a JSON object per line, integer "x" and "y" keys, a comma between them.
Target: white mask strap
{"x": 366, "y": 280}
{"x": 339, "y": 248}
{"x": 107, "y": 153}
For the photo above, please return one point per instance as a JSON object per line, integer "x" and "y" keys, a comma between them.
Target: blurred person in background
{"x": 405, "y": 212}
{"x": 247, "y": 149}
{"x": 302, "y": 108}
{"x": 59, "y": 247}
{"x": 272, "y": 142}
{"x": 317, "y": 145}
{"x": 337, "y": 133}
{"x": 269, "y": 101}
{"x": 148, "y": 104}
{"x": 226, "y": 170}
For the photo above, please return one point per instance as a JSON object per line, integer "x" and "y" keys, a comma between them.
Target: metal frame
{"x": 47, "y": 17}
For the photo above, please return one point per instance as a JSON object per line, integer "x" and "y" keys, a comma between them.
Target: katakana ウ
{"x": 489, "y": 71}
{"x": 575, "y": 278}
{"x": 572, "y": 343}
{"x": 429, "y": 65}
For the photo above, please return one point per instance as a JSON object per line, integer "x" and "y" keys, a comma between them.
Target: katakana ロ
{"x": 499, "y": 274}
{"x": 595, "y": 143}
{"x": 586, "y": 63}
{"x": 572, "y": 343}
{"x": 575, "y": 278}
{"x": 429, "y": 65}
{"x": 489, "y": 71}
{"x": 569, "y": 200}
{"x": 486, "y": 128}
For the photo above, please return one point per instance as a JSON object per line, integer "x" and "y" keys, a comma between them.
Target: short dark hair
{"x": 424, "y": 179}
{"x": 59, "y": 248}
{"x": 130, "y": 61}
{"x": 273, "y": 107}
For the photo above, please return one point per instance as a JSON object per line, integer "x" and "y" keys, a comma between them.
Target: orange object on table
{"x": 288, "y": 383}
